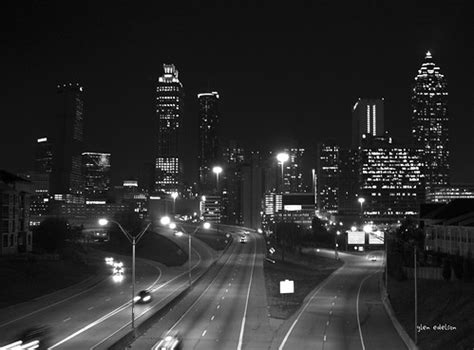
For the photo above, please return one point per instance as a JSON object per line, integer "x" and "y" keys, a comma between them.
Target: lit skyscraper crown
{"x": 428, "y": 67}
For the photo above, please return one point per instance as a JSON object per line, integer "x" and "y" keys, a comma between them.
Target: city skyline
{"x": 319, "y": 114}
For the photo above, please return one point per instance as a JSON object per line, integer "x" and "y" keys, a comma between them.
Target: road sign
{"x": 287, "y": 287}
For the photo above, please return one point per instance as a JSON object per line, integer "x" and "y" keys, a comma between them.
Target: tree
{"x": 51, "y": 234}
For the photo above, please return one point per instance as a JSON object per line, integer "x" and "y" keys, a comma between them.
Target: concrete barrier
{"x": 410, "y": 344}
{"x": 146, "y": 324}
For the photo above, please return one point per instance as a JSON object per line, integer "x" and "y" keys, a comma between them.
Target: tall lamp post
{"x": 282, "y": 158}
{"x": 336, "y": 254}
{"x": 361, "y": 200}
{"x": 172, "y": 225}
{"x": 134, "y": 240}
{"x": 217, "y": 170}
{"x": 174, "y": 195}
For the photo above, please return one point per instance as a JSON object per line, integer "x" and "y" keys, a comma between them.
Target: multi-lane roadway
{"x": 92, "y": 316}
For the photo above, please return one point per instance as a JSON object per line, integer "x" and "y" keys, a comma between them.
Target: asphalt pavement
{"x": 343, "y": 312}
{"x": 91, "y": 315}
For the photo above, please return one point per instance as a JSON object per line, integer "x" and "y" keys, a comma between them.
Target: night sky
{"x": 282, "y": 72}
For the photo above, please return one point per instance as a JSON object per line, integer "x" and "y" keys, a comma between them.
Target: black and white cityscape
{"x": 213, "y": 175}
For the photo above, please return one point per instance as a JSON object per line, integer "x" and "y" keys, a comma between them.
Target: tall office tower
{"x": 390, "y": 179}
{"x": 293, "y": 181}
{"x": 430, "y": 123}
{"x": 44, "y": 155}
{"x": 328, "y": 176}
{"x": 348, "y": 183}
{"x": 252, "y": 191}
{"x": 96, "y": 170}
{"x": 234, "y": 158}
{"x": 209, "y": 120}
{"x": 169, "y": 108}
{"x": 367, "y": 118}
{"x": 66, "y": 176}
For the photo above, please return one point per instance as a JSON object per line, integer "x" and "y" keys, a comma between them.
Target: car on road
{"x": 169, "y": 341}
{"x": 143, "y": 297}
{"x": 243, "y": 240}
{"x": 373, "y": 258}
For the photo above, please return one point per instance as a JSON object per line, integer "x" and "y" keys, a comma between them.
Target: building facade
{"x": 96, "y": 171}
{"x": 430, "y": 123}
{"x": 169, "y": 109}
{"x": 367, "y": 118}
{"x": 390, "y": 179}
{"x": 209, "y": 121}
{"x": 15, "y": 234}
{"x": 328, "y": 173}
{"x": 66, "y": 173}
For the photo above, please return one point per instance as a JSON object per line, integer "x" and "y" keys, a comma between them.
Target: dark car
{"x": 169, "y": 341}
{"x": 143, "y": 297}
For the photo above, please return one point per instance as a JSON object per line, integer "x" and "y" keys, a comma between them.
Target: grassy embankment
{"x": 307, "y": 271}
{"x": 439, "y": 303}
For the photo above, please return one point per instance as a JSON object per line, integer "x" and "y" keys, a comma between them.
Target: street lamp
{"x": 336, "y": 255}
{"x": 134, "y": 240}
{"x": 217, "y": 170}
{"x": 282, "y": 158}
{"x": 361, "y": 200}
{"x": 174, "y": 195}
{"x": 174, "y": 226}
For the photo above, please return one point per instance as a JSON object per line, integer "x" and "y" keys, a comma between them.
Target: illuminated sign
{"x": 356, "y": 237}
{"x": 287, "y": 287}
{"x": 376, "y": 237}
{"x": 43, "y": 139}
{"x": 292, "y": 207}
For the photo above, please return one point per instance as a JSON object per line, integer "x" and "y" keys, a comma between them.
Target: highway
{"x": 343, "y": 312}
{"x": 88, "y": 316}
{"x": 226, "y": 310}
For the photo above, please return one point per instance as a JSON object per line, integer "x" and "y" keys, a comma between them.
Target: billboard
{"x": 287, "y": 287}
{"x": 376, "y": 237}
{"x": 356, "y": 237}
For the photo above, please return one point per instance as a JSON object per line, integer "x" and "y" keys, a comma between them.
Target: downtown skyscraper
{"x": 169, "y": 110}
{"x": 430, "y": 123}
{"x": 66, "y": 176}
{"x": 209, "y": 121}
{"x": 367, "y": 118}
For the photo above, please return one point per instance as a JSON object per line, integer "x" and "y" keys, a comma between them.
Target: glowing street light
{"x": 134, "y": 240}
{"x": 361, "y": 200}
{"x": 217, "y": 170}
{"x": 174, "y": 195}
{"x": 165, "y": 221}
{"x": 282, "y": 158}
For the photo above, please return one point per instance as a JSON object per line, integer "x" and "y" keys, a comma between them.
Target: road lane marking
{"x": 106, "y": 316}
{"x": 330, "y": 312}
{"x": 204, "y": 333}
{"x": 212, "y": 318}
{"x": 223, "y": 297}
{"x": 357, "y": 308}
{"x": 242, "y": 327}
{"x": 108, "y": 299}
{"x": 287, "y": 335}
{"x": 324, "y": 337}
{"x": 49, "y": 306}
{"x": 226, "y": 290}
{"x": 333, "y": 303}
{"x": 327, "y": 323}
{"x": 67, "y": 319}
{"x": 205, "y": 290}
{"x": 90, "y": 308}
